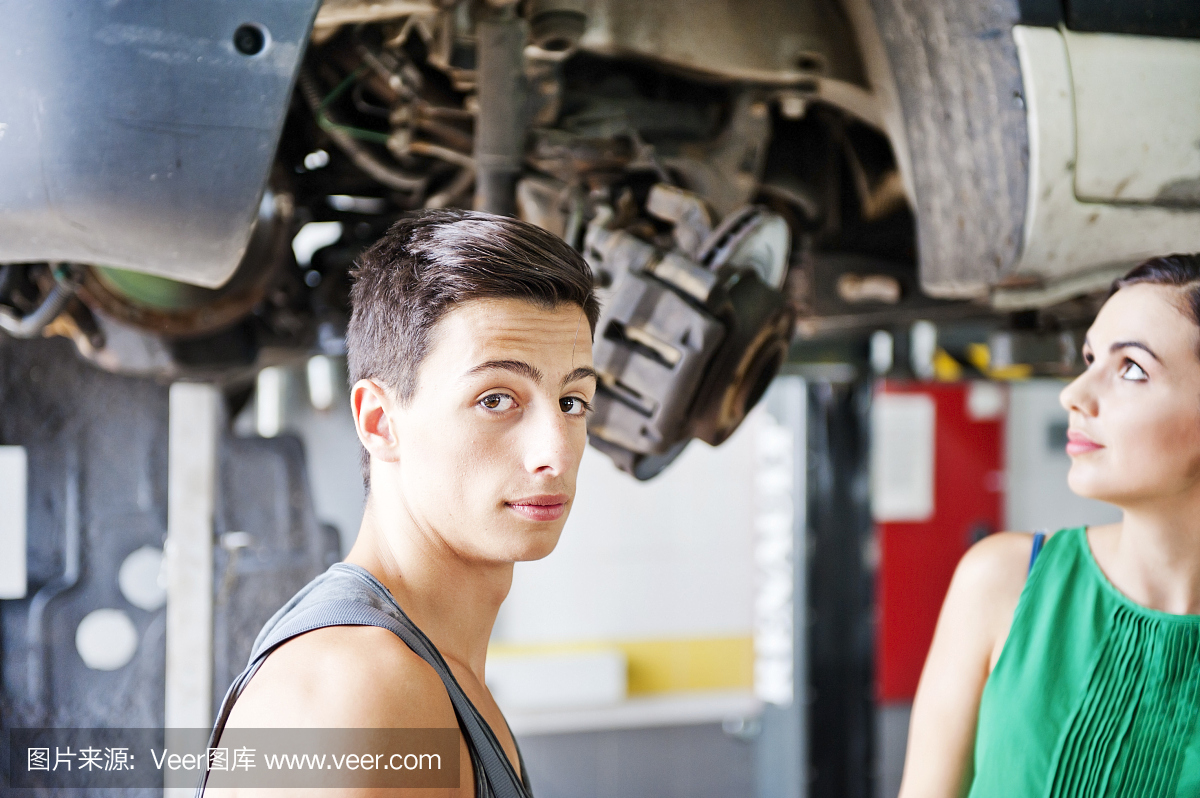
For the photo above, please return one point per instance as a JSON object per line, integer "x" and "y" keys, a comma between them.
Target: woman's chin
{"x": 1085, "y": 482}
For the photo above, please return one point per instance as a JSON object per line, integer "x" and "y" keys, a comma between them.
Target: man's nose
{"x": 549, "y": 442}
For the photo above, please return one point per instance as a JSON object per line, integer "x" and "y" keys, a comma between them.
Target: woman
{"x": 1075, "y": 671}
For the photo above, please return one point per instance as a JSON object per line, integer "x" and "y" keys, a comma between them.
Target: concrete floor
{"x": 891, "y": 737}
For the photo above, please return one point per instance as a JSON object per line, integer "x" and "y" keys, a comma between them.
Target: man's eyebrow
{"x": 1134, "y": 345}
{"x": 579, "y": 374}
{"x": 515, "y": 366}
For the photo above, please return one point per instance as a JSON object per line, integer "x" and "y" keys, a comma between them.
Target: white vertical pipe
{"x": 321, "y": 382}
{"x": 13, "y": 481}
{"x": 194, "y": 428}
{"x": 781, "y": 603}
{"x": 268, "y": 402}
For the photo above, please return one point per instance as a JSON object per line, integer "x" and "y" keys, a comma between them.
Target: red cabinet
{"x": 937, "y": 487}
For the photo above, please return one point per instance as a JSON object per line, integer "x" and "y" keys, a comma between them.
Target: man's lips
{"x": 1078, "y": 443}
{"x": 547, "y": 507}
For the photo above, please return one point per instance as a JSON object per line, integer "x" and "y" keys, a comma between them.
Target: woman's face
{"x": 1134, "y": 436}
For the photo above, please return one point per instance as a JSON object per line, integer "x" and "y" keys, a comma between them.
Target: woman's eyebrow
{"x": 1118, "y": 345}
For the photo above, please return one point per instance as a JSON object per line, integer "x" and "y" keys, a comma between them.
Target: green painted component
{"x": 150, "y": 291}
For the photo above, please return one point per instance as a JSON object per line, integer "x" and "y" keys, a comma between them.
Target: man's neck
{"x": 453, "y": 600}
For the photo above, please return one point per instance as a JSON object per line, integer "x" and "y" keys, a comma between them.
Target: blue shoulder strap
{"x": 1039, "y": 538}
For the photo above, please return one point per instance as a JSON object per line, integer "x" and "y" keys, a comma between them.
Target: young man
{"x": 470, "y": 353}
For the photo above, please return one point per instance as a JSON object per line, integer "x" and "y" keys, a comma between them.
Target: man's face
{"x": 489, "y": 445}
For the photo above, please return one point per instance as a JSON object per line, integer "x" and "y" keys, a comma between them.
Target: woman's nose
{"x": 1078, "y": 396}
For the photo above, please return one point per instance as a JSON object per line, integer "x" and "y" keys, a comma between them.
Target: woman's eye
{"x": 498, "y": 402}
{"x": 1088, "y": 357}
{"x": 1133, "y": 372}
{"x": 574, "y": 406}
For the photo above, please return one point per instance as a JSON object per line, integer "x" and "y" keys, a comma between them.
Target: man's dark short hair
{"x": 430, "y": 262}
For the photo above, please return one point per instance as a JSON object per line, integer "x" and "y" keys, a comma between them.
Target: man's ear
{"x": 371, "y": 405}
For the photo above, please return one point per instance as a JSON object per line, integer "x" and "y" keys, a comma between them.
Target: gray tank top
{"x": 348, "y": 595}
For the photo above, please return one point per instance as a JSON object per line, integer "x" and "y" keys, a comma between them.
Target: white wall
{"x": 672, "y": 557}
{"x": 1037, "y": 492}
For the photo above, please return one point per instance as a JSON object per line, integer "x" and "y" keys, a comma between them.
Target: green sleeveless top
{"x": 1093, "y": 694}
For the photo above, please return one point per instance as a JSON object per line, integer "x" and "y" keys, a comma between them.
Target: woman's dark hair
{"x": 1177, "y": 271}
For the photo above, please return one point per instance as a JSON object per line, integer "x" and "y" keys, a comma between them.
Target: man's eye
{"x": 498, "y": 402}
{"x": 574, "y": 406}
{"x": 1133, "y": 372}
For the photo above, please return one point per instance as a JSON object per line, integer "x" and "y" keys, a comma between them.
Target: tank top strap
{"x": 317, "y": 608}
{"x": 1039, "y": 539}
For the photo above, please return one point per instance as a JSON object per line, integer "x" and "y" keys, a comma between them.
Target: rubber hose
{"x": 31, "y": 325}
{"x": 362, "y": 158}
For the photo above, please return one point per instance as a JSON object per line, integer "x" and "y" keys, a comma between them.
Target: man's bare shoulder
{"x": 344, "y": 677}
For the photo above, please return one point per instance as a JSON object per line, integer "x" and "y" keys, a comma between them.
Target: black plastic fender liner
{"x": 1175, "y": 18}
{"x": 98, "y": 455}
{"x": 961, "y": 97}
{"x": 140, "y": 134}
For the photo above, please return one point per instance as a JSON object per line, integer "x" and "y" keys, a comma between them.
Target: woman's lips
{"x": 541, "y": 508}
{"x": 1078, "y": 443}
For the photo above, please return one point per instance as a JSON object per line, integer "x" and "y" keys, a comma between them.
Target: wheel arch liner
{"x": 137, "y": 135}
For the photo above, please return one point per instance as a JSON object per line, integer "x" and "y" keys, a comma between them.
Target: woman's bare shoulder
{"x": 971, "y": 630}
{"x": 987, "y": 585}
{"x": 998, "y": 561}
{"x": 989, "y": 580}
